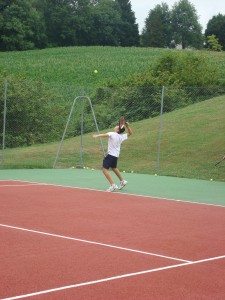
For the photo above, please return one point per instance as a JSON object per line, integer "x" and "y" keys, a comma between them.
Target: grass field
{"x": 75, "y": 65}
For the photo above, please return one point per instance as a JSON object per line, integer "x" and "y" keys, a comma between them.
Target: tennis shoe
{"x": 122, "y": 184}
{"x": 112, "y": 188}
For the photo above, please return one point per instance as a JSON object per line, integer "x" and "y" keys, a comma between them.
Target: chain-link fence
{"x": 178, "y": 131}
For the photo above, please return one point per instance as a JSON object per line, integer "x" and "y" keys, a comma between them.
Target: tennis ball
{"x": 156, "y": 175}
{"x": 95, "y": 71}
{"x": 211, "y": 179}
{"x": 124, "y": 171}
{"x": 132, "y": 171}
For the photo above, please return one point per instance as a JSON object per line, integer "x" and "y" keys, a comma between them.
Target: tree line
{"x": 37, "y": 24}
{"x": 30, "y": 24}
{"x": 180, "y": 26}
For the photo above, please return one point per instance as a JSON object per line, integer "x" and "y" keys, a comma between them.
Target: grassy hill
{"x": 192, "y": 141}
{"x": 75, "y": 65}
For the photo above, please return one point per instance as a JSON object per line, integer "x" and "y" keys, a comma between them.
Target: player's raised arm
{"x": 129, "y": 130}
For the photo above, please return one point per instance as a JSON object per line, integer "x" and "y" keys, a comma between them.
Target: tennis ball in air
{"x": 156, "y": 175}
{"x": 211, "y": 179}
{"x": 95, "y": 71}
{"x": 132, "y": 171}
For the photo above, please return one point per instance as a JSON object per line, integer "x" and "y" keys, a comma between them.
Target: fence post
{"x": 81, "y": 133}
{"x": 96, "y": 125}
{"x": 4, "y": 122}
{"x": 160, "y": 132}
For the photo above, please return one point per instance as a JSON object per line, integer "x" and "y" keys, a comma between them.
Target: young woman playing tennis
{"x": 115, "y": 140}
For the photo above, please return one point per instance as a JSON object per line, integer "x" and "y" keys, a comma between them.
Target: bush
{"x": 188, "y": 78}
{"x": 32, "y": 115}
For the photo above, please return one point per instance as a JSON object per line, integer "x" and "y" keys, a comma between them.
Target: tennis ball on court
{"x": 95, "y": 71}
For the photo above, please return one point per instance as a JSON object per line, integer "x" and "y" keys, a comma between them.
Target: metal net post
{"x": 4, "y": 122}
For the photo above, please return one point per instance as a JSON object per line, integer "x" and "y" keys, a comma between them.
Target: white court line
{"x": 92, "y": 242}
{"x": 17, "y": 180}
{"x": 27, "y": 183}
{"x": 113, "y": 278}
{"x": 122, "y": 193}
{"x": 19, "y": 185}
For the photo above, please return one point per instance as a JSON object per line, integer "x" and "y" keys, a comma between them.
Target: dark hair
{"x": 121, "y": 130}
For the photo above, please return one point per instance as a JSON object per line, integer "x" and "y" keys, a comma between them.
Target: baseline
{"x": 117, "y": 192}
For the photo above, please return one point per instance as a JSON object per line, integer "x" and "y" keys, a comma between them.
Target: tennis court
{"x": 63, "y": 237}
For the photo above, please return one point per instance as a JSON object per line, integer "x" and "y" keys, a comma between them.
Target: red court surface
{"x": 67, "y": 243}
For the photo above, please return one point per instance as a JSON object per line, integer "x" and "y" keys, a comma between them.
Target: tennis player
{"x": 115, "y": 140}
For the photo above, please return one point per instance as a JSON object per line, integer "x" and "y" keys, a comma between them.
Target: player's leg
{"x": 122, "y": 181}
{"x": 107, "y": 175}
{"x": 118, "y": 174}
{"x": 107, "y": 163}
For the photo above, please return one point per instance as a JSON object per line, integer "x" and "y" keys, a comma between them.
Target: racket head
{"x": 121, "y": 124}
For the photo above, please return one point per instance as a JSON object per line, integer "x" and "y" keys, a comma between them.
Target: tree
{"x": 186, "y": 28}
{"x": 30, "y": 24}
{"x": 60, "y": 20}
{"x": 157, "y": 31}
{"x": 129, "y": 35}
{"x": 83, "y": 13}
{"x": 106, "y": 21}
{"x": 21, "y": 26}
{"x": 216, "y": 26}
{"x": 213, "y": 43}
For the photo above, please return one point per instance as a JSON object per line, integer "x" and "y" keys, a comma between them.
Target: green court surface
{"x": 202, "y": 191}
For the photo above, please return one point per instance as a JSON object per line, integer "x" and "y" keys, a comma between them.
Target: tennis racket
{"x": 121, "y": 123}
{"x": 219, "y": 162}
